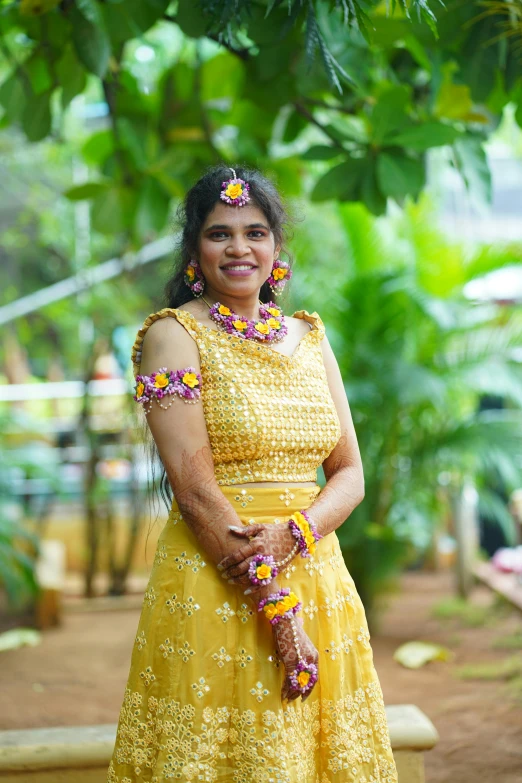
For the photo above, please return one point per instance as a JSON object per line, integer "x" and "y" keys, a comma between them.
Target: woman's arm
{"x": 343, "y": 469}
{"x": 181, "y": 436}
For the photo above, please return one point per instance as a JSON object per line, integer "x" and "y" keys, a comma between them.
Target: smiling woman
{"x": 252, "y": 658}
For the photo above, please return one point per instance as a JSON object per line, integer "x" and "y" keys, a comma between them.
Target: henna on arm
{"x": 343, "y": 469}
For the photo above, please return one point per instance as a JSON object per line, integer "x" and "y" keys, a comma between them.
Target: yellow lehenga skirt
{"x": 203, "y": 697}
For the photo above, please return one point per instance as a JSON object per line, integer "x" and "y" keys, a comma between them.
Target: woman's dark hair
{"x": 199, "y": 203}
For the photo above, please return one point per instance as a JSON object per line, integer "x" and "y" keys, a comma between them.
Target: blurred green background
{"x": 393, "y": 131}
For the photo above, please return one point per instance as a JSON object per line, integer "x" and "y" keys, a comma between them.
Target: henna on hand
{"x": 286, "y": 651}
{"x": 275, "y": 540}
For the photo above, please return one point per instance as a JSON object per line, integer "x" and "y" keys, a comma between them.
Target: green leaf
{"x": 191, "y": 19}
{"x": 293, "y": 127}
{"x": 71, "y": 75}
{"x": 37, "y": 7}
{"x": 473, "y": 166}
{"x": 84, "y": 192}
{"x": 36, "y": 118}
{"x": 390, "y": 112}
{"x": 12, "y": 97}
{"x": 37, "y": 70}
{"x": 113, "y": 210}
{"x": 92, "y": 44}
{"x": 97, "y": 149}
{"x": 90, "y": 10}
{"x": 342, "y": 182}
{"x": 152, "y": 209}
{"x": 321, "y": 152}
{"x": 370, "y": 193}
{"x": 423, "y": 137}
{"x": 221, "y": 77}
{"x": 399, "y": 176}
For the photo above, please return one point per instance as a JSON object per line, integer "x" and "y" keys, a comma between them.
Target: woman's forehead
{"x": 235, "y": 217}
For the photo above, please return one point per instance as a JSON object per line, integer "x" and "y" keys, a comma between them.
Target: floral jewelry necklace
{"x": 269, "y": 327}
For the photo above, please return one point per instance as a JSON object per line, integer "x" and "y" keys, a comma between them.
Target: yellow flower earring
{"x": 279, "y": 276}
{"x": 193, "y": 277}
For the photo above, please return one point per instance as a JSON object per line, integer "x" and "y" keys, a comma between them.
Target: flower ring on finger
{"x": 262, "y": 569}
{"x": 304, "y": 676}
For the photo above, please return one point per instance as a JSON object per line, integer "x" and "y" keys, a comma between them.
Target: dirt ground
{"x": 77, "y": 677}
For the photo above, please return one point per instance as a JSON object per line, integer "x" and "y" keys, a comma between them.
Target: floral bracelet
{"x": 283, "y": 604}
{"x": 305, "y": 674}
{"x": 305, "y": 531}
{"x": 184, "y": 383}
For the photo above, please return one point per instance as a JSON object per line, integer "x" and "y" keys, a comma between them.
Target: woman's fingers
{"x": 236, "y": 557}
{"x": 246, "y": 550}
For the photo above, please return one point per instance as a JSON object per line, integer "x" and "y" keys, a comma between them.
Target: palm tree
{"x": 417, "y": 357}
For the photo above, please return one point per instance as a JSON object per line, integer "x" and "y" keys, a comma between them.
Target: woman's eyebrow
{"x": 223, "y": 226}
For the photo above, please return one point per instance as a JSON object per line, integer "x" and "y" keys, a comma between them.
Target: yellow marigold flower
{"x": 234, "y": 191}
{"x": 273, "y": 311}
{"x": 263, "y": 571}
{"x": 294, "y": 600}
{"x": 270, "y": 611}
{"x": 303, "y": 678}
{"x": 190, "y": 379}
{"x": 262, "y": 328}
{"x": 279, "y": 273}
{"x": 273, "y": 323}
{"x": 281, "y": 607}
{"x": 239, "y": 325}
{"x": 140, "y": 388}
{"x": 190, "y": 273}
{"x": 161, "y": 381}
{"x": 223, "y": 310}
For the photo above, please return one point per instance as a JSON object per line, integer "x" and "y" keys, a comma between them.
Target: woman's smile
{"x": 237, "y": 269}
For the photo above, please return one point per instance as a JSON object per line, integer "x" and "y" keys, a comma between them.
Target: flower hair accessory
{"x": 183, "y": 383}
{"x": 235, "y": 191}
{"x": 279, "y": 276}
{"x": 304, "y": 531}
{"x": 279, "y": 605}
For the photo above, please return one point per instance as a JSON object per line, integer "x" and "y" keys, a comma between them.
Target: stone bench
{"x": 81, "y": 754}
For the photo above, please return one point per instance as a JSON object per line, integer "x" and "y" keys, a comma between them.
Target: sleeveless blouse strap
{"x": 314, "y": 319}
{"x": 185, "y": 318}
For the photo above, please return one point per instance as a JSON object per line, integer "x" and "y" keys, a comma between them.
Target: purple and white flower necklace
{"x": 269, "y": 327}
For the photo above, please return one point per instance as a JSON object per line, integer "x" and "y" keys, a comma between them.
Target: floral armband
{"x": 184, "y": 383}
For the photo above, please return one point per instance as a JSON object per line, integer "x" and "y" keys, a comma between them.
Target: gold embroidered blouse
{"x": 269, "y": 417}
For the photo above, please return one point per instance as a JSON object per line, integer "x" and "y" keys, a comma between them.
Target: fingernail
{"x": 223, "y": 576}
{"x": 247, "y": 592}
{"x": 231, "y": 582}
{"x": 234, "y": 527}
{"x": 220, "y": 568}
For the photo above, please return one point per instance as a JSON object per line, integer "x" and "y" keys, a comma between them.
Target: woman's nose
{"x": 238, "y": 246}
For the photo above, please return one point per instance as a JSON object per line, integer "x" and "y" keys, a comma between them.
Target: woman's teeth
{"x": 240, "y": 266}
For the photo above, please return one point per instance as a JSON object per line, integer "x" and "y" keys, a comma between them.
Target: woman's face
{"x": 236, "y": 250}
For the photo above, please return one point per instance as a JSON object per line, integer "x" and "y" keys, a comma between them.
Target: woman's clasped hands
{"x": 269, "y": 540}
{"x": 294, "y": 648}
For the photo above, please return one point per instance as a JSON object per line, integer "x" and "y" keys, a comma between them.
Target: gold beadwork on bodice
{"x": 269, "y": 417}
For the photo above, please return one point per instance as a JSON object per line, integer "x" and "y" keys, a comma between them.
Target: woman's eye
{"x": 257, "y": 234}
{"x": 218, "y": 234}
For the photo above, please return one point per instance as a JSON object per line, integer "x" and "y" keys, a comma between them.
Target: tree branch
{"x": 243, "y": 54}
{"x": 303, "y": 111}
{"x": 109, "y": 91}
